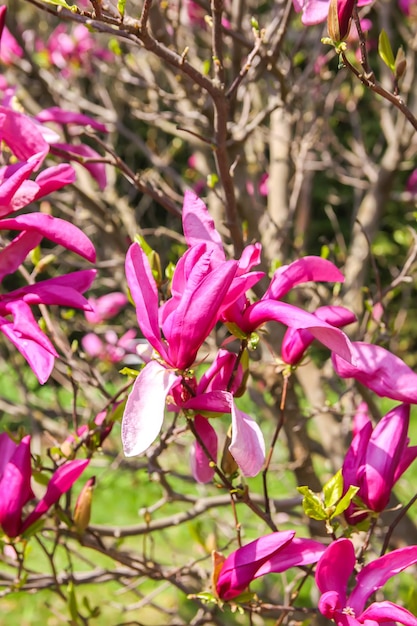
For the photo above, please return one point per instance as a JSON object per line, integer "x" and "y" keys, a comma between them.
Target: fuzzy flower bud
{"x": 82, "y": 512}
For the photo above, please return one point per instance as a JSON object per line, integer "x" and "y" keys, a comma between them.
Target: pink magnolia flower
{"x": 379, "y": 370}
{"x": 113, "y": 349}
{"x": 316, "y": 11}
{"x": 377, "y": 458}
{"x": 199, "y": 228}
{"x": 203, "y": 281}
{"x": 276, "y": 552}
{"x": 333, "y": 573}
{"x": 15, "y": 488}
{"x": 105, "y": 307}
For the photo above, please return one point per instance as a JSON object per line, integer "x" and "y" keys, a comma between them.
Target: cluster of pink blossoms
{"x": 24, "y": 179}
{"x": 207, "y": 289}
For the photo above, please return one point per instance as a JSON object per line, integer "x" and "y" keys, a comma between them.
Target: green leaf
{"x": 312, "y": 504}
{"x": 128, "y": 371}
{"x": 72, "y": 602}
{"x": 121, "y": 5}
{"x": 346, "y": 500}
{"x": 333, "y": 490}
{"x": 385, "y": 50}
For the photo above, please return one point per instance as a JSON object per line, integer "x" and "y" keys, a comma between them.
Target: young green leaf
{"x": 385, "y": 50}
{"x": 346, "y": 500}
{"x": 312, "y": 504}
{"x": 333, "y": 490}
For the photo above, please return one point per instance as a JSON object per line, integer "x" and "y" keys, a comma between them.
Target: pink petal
{"x": 56, "y": 229}
{"x": 144, "y": 411}
{"x": 199, "y": 227}
{"x": 385, "y": 612}
{"x": 200, "y": 464}
{"x": 315, "y": 12}
{"x": 15, "y": 190}
{"x": 145, "y": 296}
{"x": 375, "y": 574}
{"x": 241, "y": 566}
{"x": 298, "y": 552}
{"x": 61, "y": 116}
{"x": 62, "y": 290}
{"x": 379, "y": 370}
{"x": 15, "y": 490}
{"x": 247, "y": 446}
{"x": 106, "y": 307}
{"x": 90, "y": 159}
{"x": 53, "y": 178}
{"x": 330, "y": 576}
{"x": 197, "y": 312}
{"x": 306, "y": 269}
{"x": 62, "y": 480}
{"x": 269, "y": 310}
{"x": 13, "y": 255}
{"x": 23, "y": 136}
{"x": 384, "y": 452}
{"x": 40, "y": 360}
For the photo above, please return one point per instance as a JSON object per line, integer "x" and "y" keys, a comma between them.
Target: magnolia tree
{"x": 233, "y": 184}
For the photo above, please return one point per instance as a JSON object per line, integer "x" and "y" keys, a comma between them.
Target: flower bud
{"x": 82, "y": 512}
{"x": 339, "y": 19}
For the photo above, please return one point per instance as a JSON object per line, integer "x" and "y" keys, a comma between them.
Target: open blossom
{"x": 207, "y": 288}
{"x": 272, "y": 553}
{"x": 333, "y": 573}
{"x": 15, "y": 487}
{"x": 377, "y": 458}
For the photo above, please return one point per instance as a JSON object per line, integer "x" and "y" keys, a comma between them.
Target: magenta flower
{"x": 199, "y": 289}
{"x": 332, "y": 575}
{"x": 236, "y": 310}
{"x": 376, "y": 459}
{"x": 112, "y": 348}
{"x": 276, "y": 553}
{"x": 105, "y": 307}
{"x": 379, "y": 370}
{"x": 15, "y": 489}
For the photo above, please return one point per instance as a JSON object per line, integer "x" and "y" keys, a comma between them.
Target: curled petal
{"x": 144, "y": 411}
{"x": 269, "y": 310}
{"x": 247, "y": 446}
{"x": 304, "y": 270}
